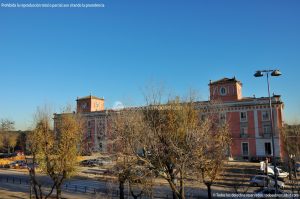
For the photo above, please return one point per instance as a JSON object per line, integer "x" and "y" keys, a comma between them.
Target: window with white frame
{"x": 245, "y": 148}
{"x": 267, "y": 129}
{"x": 243, "y": 116}
{"x": 265, "y": 115}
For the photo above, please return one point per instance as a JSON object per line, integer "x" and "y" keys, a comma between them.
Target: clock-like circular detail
{"x": 84, "y": 105}
{"x": 223, "y": 91}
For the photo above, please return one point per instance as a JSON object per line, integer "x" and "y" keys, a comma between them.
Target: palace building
{"x": 248, "y": 118}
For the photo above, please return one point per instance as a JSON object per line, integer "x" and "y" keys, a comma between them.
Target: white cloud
{"x": 118, "y": 105}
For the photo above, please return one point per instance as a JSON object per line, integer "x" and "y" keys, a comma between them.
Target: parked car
{"x": 297, "y": 165}
{"x": 84, "y": 163}
{"x": 17, "y": 163}
{"x": 279, "y": 171}
{"x": 278, "y": 178}
{"x": 90, "y": 162}
{"x": 270, "y": 169}
{"x": 104, "y": 161}
{"x": 7, "y": 155}
{"x": 265, "y": 181}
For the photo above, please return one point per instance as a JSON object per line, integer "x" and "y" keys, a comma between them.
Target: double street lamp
{"x": 275, "y": 73}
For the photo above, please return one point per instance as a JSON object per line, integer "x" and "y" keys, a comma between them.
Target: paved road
{"x": 91, "y": 186}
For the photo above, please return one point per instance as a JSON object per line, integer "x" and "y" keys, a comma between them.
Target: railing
{"x": 114, "y": 193}
{"x": 267, "y": 135}
{"x": 244, "y": 135}
{"x": 243, "y": 120}
{"x": 14, "y": 180}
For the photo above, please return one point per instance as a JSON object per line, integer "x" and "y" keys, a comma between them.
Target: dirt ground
{"x": 235, "y": 179}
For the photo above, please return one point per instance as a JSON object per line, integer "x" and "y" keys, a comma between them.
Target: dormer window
{"x": 223, "y": 91}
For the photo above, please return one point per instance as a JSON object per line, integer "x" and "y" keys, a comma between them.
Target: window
{"x": 203, "y": 117}
{"x": 267, "y": 129}
{"x": 222, "y": 117}
{"x": 89, "y": 134}
{"x": 244, "y": 131}
{"x": 100, "y": 145}
{"x": 243, "y": 116}
{"x": 268, "y": 150}
{"x": 245, "y": 149}
{"x": 265, "y": 115}
{"x": 223, "y": 91}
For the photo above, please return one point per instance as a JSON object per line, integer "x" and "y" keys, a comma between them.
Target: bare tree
{"x": 127, "y": 126}
{"x": 172, "y": 139}
{"x": 181, "y": 140}
{"x": 291, "y": 143}
{"x": 1, "y": 140}
{"x": 8, "y": 139}
{"x": 168, "y": 140}
{"x": 213, "y": 144}
{"x": 7, "y": 125}
{"x": 291, "y": 139}
{"x": 140, "y": 181}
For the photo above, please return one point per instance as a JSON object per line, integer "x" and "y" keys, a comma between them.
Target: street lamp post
{"x": 261, "y": 73}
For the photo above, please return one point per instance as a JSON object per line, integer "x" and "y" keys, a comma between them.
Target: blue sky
{"x": 51, "y": 56}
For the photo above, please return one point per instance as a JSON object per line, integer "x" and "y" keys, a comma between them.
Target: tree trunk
{"x": 58, "y": 192}
{"x": 36, "y": 187}
{"x": 290, "y": 169}
{"x": 174, "y": 195}
{"x": 208, "y": 190}
{"x": 266, "y": 167}
{"x": 135, "y": 196}
{"x": 182, "y": 185}
{"x": 121, "y": 188}
{"x": 173, "y": 179}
